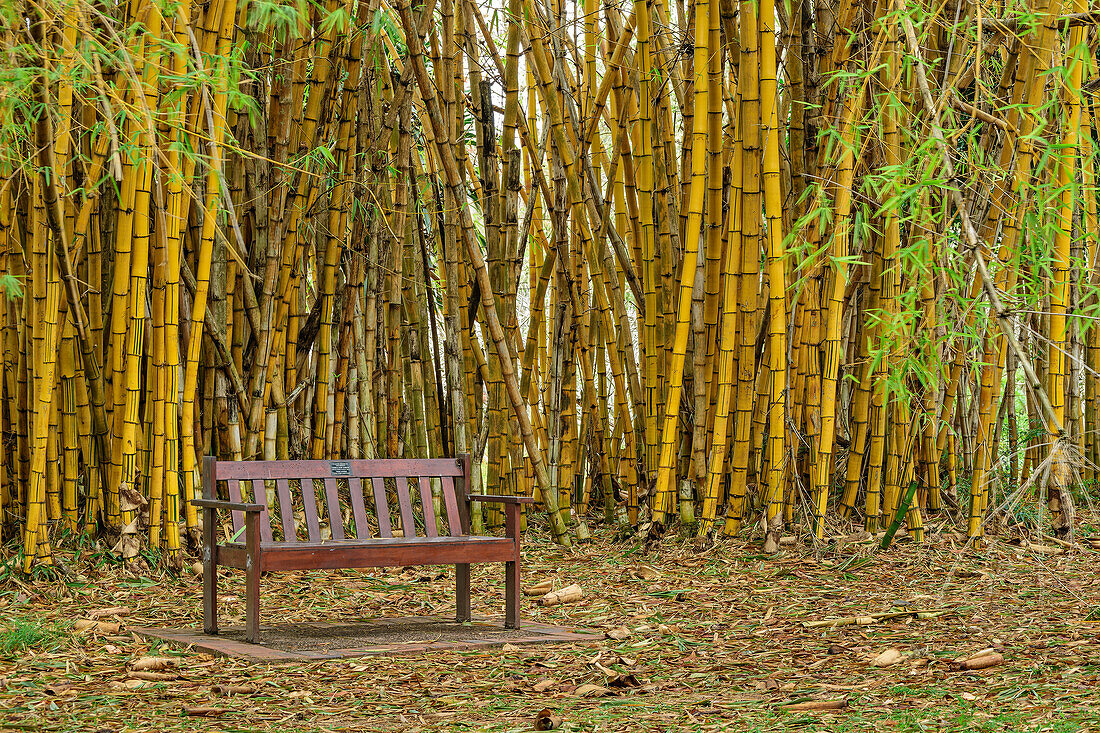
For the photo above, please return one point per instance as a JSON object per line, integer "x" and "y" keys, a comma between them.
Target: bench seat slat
{"x": 382, "y": 507}
{"x": 389, "y": 552}
{"x": 428, "y": 506}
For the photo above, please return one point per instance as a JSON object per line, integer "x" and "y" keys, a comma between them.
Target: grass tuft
{"x": 23, "y": 635}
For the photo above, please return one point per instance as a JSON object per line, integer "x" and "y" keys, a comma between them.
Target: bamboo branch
{"x": 974, "y": 248}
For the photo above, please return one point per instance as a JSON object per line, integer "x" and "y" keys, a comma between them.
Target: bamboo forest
{"x": 706, "y": 267}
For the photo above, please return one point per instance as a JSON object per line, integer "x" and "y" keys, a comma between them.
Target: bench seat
{"x": 378, "y": 553}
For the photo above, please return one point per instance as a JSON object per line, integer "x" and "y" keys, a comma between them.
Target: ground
{"x": 710, "y": 640}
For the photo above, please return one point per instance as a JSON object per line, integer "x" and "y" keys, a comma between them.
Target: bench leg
{"x": 511, "y": 595}
{"x": 511, "y": 569}
{"x": 462, "y": 592}
{"x": 252, "y": 580}
{"x": 209, "y": 575}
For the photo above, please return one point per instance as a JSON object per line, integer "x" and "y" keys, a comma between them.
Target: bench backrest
{"x": 362, "y": 499}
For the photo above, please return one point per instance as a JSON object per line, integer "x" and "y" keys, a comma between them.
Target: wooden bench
{"x": 372, "y": 519}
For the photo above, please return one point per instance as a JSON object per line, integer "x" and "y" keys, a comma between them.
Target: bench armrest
{"x": 501, "y": 499}
{"x": 237, "y": 506}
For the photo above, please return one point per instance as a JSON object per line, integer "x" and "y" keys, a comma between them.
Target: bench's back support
{"x": 315, "y": 501}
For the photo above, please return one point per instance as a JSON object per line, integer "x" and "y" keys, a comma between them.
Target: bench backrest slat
{"x": 286, "y": 509}
{"x": 234, "y": 488}
{"x": 385, "y": 528}
{"x": 259, "y": 496}
{"x": 430, "y": 529}
{"x": 454, "y": 519}
{"x": 404, "y": 500}
{"x": 358, "y": 509}
{"x": 332, "y": 501}
{"x": 309, "y": 507}
{"x": 399, "y": 493}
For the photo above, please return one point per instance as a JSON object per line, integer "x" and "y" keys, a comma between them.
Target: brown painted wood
{"x": 286, "y": 509}
{"x": 358, "y": 509}
{"x": 461, "y": 490}
{"x": 511, "y": 569}
{"x": 309, "y": 507}
{"x": 375, "y": 553}
{"x": 335, "y": 516}
{"x": 252, "y": 578}
{"x": 232, "y": 555}
{"x": 387, "y": 553}
{"x": 462, "y": 592}
{"x": 381, "y": 505}
{"x": 428, "y": 505}
{"x": 257, "y": 551}
{"x": 209, "y": 550}
{"x": 241, "y": 506}
{"x": 259, "y": 496}
{"x": 383, "y": 467}
{"x": 450, "y": 501}
{"x": 234, "y": 488}
{"x": 404, "y": 500}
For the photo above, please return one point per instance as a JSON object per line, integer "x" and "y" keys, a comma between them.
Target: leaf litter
{"x": 721, "y": 640}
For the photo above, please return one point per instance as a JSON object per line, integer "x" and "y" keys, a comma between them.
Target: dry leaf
{"x": 99, "y": 627}
{"x": 817, "y": 705}
{"x": 539, "y": 589}
{"x": 979, "y": 653}
{"x": 113, "y": 611}
{"x": 619, "y": 633}
{"x": 888, "y": 658}
{"x": 624, "y": 681}
{"x": 645, "y": 572}
{"x": 984, "y": 661}
{"x": 547, "y": 720}
{"x": 227, "y": 690}
{"x": 569, "y": 594}
{"x": 153, "y": 676}
{"x": 131, "y": 500}
{"x": 59, "y": 688}
{"x": 774, "y": 530}
{"x": 590, "y": 690}
{"x": 154, "y": 663}
{"x": 546, "y": 683}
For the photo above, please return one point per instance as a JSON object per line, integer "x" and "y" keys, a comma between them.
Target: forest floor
{"x": 711, "y": 640}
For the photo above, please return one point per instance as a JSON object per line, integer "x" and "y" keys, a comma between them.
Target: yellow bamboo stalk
{"x": 666, "y": 485}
